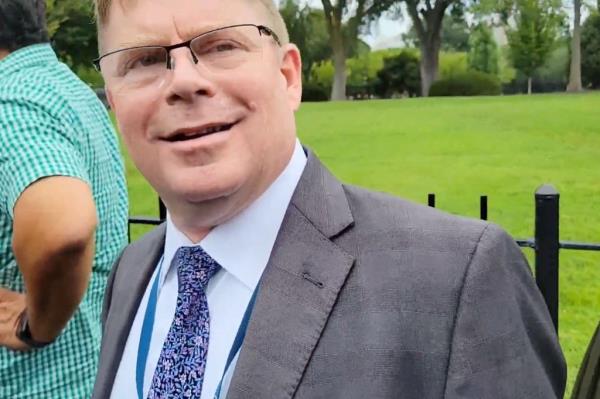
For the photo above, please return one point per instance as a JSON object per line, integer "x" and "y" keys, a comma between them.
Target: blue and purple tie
{"x": 180, "y": 369}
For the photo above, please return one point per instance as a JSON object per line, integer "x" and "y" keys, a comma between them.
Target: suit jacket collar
{"x": 127, "y": 282}
{"x": 321, "y": 199}
{"x": 298, "y": 290}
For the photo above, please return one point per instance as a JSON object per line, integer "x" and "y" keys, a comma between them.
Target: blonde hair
{"x": 274, "y": 16}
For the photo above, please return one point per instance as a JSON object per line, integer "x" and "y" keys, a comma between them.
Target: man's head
{"x": 22, "y": 23}
{"x": 240, "y": 80}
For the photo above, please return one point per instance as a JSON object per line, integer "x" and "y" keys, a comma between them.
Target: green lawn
{"x": 504, "y": 147}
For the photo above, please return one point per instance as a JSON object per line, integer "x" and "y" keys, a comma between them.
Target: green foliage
{"x": 556, "y": 67}
{"x": 72, "y": 31}
{"x": 361, "y": 70}
{"x": 590, "y": 51}
{"x": 400, "y": 74}
{"x": 471, "y": 83}
{"x": 322, "y": 74}
{"x": 537, "y": 26}
{"x": 314, "y": 92}
{"x": 452, "y": 63}
{"x": 483, "y": 53}
{"x": 307, "y": 30}
{"x": 90, "y": 76}
{"x": 507, "y": 72}
{"x": 455, "y": 33}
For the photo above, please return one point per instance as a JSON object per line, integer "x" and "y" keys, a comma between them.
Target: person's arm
{"x": 53, "y": 242}
{"x": 503, "y": 340}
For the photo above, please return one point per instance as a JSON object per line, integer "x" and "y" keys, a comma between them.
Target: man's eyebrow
{"x": 192, "y": 32}
{"x": 158, "y": 40}
{"x": 144, "y": 40}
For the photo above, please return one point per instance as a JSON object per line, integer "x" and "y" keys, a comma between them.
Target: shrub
{"x": 399, "y": 75}
{"x": 472, "y": 83}
{"x": 314, "y": 92}
{"x": 452, "y": 63}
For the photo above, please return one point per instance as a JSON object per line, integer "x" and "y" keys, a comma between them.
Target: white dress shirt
{"x": 242, "y": 246}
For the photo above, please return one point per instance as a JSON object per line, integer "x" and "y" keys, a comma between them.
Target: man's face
{"x": 169, "y": 125}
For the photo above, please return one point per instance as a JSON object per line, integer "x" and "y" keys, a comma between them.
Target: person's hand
{"x": 12, "y": 304}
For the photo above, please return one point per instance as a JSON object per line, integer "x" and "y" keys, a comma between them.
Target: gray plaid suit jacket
{"x": 370, "y": 296}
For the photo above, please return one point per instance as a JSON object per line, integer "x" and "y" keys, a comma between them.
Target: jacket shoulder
{"x": 399, "y": 222}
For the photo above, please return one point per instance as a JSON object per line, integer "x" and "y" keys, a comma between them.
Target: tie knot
{"x": 195, "y": 267}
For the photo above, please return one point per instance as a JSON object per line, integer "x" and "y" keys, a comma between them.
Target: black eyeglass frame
{"x": 261, "y": 30}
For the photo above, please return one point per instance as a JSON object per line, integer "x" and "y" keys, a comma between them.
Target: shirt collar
{"x": 26, "y": 57}
{"x": 243, "y": 244}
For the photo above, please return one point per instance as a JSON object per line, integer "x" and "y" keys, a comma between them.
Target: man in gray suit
{"x": 270, "y": 278}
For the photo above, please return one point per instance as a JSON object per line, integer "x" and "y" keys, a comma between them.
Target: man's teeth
{"x": 215, "y": 129}
{"x": 204, "y": 132}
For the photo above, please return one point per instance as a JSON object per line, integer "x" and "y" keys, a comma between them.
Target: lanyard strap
{"x": 146, "y": 334}
{"x": 237, "y": 342}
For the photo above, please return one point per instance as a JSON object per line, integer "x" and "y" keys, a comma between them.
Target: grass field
{"x": 504, "y": 147}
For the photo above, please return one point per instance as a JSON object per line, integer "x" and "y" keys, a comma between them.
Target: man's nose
{"x": 188, "y": 79}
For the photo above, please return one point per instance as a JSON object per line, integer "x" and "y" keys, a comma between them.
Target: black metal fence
{"x": 545, "y": 243}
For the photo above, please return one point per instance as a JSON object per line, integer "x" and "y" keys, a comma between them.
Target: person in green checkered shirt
{"x": 63, "y": 214}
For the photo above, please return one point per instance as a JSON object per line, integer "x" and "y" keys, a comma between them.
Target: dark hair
{"x": 22, "y": 23}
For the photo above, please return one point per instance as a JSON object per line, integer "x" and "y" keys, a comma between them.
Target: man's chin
{"x": 207, "y": 195}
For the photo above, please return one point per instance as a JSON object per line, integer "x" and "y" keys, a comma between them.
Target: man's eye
{"x": 221, "y": 47}
{"x": 144, "y": 61}
{"x": 224, "y": 47}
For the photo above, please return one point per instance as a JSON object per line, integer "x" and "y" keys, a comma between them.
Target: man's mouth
{"x": 193, "y": 133}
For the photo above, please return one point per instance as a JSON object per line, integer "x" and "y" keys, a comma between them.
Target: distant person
{"x": 271, "y": 279}
{"x": 63, "y": 214}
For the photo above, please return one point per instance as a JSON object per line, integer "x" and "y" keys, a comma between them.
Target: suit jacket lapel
{"x": 298, "y": 290}
{"x": 131, "y": 278}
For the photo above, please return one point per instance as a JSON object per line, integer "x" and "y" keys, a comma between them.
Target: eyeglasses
{"x": 218, "y": 50}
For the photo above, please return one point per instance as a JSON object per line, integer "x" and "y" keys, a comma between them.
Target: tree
{"x": 344, "y": 19}
{"x": 427, "y": 18}
{"x": 575, "y": 84}
{"x": 455, "y": 34}
{"x": 483, "y": 55}
{"x": 532, "y": 40}
{"x": 590, "y": 51}
{"x": 72, "y": 31}
{"x": 307, "y": 30}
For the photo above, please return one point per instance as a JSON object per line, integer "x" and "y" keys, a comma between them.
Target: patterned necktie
{"x": 180, "y": 369}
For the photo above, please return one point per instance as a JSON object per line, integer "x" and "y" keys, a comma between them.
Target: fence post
{"x": 547, "y": 246}
{"x": 483, "y": 207}
{"x": 431, "y": 200}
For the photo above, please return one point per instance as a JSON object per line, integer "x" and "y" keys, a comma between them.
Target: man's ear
{"x": 291, "y": 69}
{"x": 109, "y": 98}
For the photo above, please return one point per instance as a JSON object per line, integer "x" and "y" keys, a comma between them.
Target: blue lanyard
{"x": 239, "y": 339}
{"x": 146, "y": 334}
{"x": 148, "y": 325}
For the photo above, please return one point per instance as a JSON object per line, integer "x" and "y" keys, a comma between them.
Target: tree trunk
{"x": 428, "y": 25}
{"x": 575, "y": 74}
{"x": 529, "y": 85}
{"x": 338, "y": 90}
{"x": 430, "y": 53}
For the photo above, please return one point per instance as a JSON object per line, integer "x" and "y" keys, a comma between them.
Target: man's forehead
{"x": 142, "y": 22}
